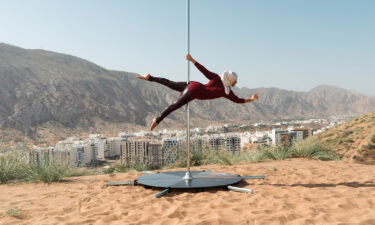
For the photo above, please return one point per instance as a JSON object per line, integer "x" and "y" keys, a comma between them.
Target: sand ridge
{"x": 296, "y": 191}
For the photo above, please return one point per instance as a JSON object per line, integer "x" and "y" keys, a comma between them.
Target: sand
{"x": 296, "y": 191}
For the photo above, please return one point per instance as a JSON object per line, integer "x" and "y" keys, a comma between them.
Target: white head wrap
{"x": 228, "y": 77}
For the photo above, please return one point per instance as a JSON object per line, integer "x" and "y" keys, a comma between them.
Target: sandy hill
{"x": 354, "y": 140}
{"x": 295, "y": 192}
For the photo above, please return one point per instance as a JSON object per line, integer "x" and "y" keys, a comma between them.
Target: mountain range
{"x": 43, "y": 92}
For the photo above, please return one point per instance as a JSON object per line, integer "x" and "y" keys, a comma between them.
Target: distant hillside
{"x": 43, "y": 93}
{"x": 354, "y": 140}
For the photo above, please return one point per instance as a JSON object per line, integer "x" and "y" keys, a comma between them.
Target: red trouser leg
{"x": 182, "y": 100}
{"x": 177, "y": 86}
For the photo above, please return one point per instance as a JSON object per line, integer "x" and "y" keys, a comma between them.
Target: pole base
{"x": 187, "y": 176}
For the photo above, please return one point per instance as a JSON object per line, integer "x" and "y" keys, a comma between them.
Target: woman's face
{"x": 234, "y": 83}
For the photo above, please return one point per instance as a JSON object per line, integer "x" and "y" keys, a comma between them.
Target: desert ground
{"x": 296, "y": 191}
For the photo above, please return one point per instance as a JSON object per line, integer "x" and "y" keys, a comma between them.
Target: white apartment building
{"x": 229, "y": 142}
{"x": 245, "y": 140}
{"x": 113, "y": 147}
{"x": 97, "y": 146}
{"x": 142, "y": 152}
{"x": 170, "y": 150}
{"x": 155, "y": 154}
{"x": 278, "y": 136}
{"x": 50, "y": 154}
{"x": 214, "y": 142}
{"x": 232, "y": 143}
{"x": 89, "y": 156}
{"x": 133, "y": 152}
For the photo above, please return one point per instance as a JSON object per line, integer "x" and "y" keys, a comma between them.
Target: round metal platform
{"x": 201, "y": 179}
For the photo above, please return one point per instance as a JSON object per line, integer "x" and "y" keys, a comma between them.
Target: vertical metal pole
{"x": 188, "y": 174}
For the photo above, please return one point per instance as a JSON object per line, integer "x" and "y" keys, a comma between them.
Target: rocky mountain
{"x": 43, "y": 92}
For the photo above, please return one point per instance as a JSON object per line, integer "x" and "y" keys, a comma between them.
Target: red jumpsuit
{"x": 195, "y": 90}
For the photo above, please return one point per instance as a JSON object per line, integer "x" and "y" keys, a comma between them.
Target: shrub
{"x": 15, "y": 165}
{"x": 258, "y": 156}
{"x": 326, "y": 155}
{"x": 370, "y": 146}
{"x": 279, "y": 152}
{"x": 350, "y": 140}
{"x": 197, "y": 158}
{"x": 77, "y": 172}
{"x": 346, "y": 133}
{"x": 45, "y": 171}
{"x": 14, "y": 212}
{"x": 217, "y": 157}
{"x": 109, "y": 170}
{"x": 12, "y": 163}
{"x": 206, "y": 157}
{"x": 304, "y": 149}
{"x": 314, "y": 150}
{"x": 274, "y": 152}
{"x": 139, "y": 167}
{"x": 121, "y": 168}
{"x": 246, "y": 157}
{"x": 373, "y": 138}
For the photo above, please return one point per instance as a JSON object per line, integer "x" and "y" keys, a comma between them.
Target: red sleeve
{"x": 210, "y": 75}
{"x": 234, "y": 98}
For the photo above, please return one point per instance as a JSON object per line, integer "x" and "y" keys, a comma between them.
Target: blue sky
{"x": 290, "y": 44}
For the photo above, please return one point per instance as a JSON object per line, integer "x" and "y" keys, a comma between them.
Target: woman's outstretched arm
{"x": 210, "y": 75}
{"x": 236, "y": 99}
{"x": 254, "y": 97}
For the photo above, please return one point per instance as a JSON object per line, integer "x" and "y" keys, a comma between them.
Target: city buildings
{"x": 141, "y": 152}
{"x": 170, "y": 150}
{"x": 112, "y": 148}
{"x": 286, "y": 137}
{"x": 155, "y": 155}
{"x": 167, "y": 146}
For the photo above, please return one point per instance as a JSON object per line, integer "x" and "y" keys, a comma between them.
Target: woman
{"x": 217, "y": 87}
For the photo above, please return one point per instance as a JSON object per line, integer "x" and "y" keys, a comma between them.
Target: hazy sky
{"x": 290, "y": 44}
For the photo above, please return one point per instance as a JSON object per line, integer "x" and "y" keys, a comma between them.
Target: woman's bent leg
{"x": 177, "y": 86}
{"x": 182, "y": 100}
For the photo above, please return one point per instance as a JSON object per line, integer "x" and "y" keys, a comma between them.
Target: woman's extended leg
{"x": 177, "y": 86}
{"x": 182, "y": 100}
